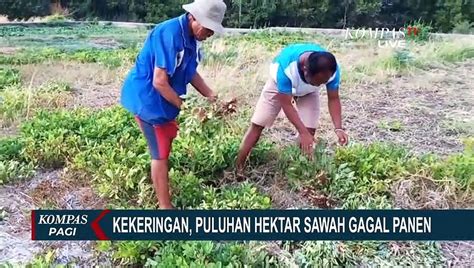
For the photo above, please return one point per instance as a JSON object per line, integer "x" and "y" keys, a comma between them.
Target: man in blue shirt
{"x": 164, "y": 67}
{"x": 296, "y": 74}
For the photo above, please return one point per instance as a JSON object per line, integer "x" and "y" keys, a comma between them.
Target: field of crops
{"x": 66, "y": 143}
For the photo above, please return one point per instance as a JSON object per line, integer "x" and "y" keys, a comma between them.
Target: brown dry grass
{"x": 244, "y": 78}
{"x": 422, "y": 192}
{"x": 94, "y": 86}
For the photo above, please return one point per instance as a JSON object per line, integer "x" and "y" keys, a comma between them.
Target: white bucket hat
{"x": 209, "y": 13}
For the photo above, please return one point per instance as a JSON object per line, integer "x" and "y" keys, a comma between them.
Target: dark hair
{"x": 321, "y": 62}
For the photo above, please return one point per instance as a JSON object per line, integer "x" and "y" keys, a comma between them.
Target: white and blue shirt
{"x": 169, "y": 46}
{"x": 284, "y": 71}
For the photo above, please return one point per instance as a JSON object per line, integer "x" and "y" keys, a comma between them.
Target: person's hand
{"x": 342, "y": 137}
{"x": 307, "y": 141}
{"x": 180, "y": 103}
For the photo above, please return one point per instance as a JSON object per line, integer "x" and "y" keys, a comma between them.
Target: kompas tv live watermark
{"x": 385, "y": 37}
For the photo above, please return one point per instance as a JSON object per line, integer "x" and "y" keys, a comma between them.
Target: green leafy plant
{"x": 376, "y": 161}
{"x": 459, "y": 167}
{"x": 210, "y": 254}
{"x": 400, "y": 60}
{"x": 302, "y": 171}
{"x": 108, "y": 146}
{"x": 13, "y": 166}
{"x": 134, "y": 252}
{"x": 109, "y": 58}
{"x": 187, "y": 189}
{"x": 394, "y": 125}
{"x": 366, "y": 253}
{"x": 243, "y": 196}
{"x": 10, "y": 149}
{"x": 352, "y": 192}
{"x": 365, "y": 173}
{"x": 14, "y": 170}
{"x": 9, "y": 77}
{"x": 323, "y": 253}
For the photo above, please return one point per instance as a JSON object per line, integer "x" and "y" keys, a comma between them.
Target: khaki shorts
{"x": 268, "y": 107}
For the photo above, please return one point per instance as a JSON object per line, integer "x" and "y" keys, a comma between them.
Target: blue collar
{"x": 189, "y": 41}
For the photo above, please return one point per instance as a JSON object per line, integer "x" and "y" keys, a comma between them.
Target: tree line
{"x": 442, "y": 15}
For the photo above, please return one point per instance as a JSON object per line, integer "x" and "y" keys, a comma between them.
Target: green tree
{"x": 451, "y": 12}
{"x": 24, "y": 9}
{"x": 442, "y": 14}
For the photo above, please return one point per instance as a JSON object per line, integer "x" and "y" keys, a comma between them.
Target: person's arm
{"x": 334, "y": 106}
{"x": 162, "y": 85}
{"x": 285, "y": 96}
{"x": 291, "y": 113}
{"x": 165, "y": 51}
{"x": 201, "y": 86}
{"x": 306, "y": 138}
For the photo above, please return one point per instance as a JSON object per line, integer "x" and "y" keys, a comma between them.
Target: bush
{"x": 401, "y": 59}
{"x": 423, "y": 31}
{"x": 131, "y": 252}
{"x": 464, "y": 27}
{"x": 208, "y": 141}
{"x": 186, "y": 254}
